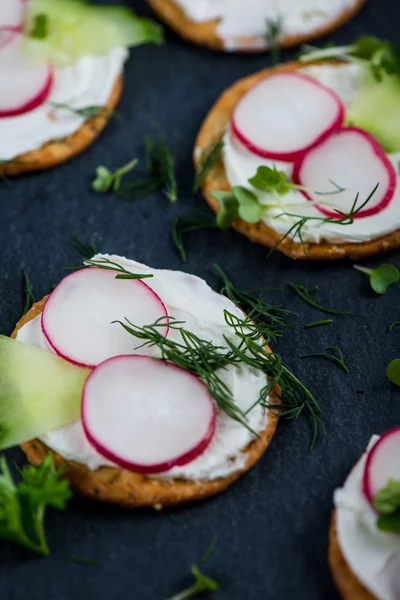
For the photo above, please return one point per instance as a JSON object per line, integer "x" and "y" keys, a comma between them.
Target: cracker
{"x": 349, "y": 585}
{"x": 214, "y": 124}
{"x": 59, "y": 151}
{"x": 132, "y": 490}
{"x": 205, "y": 34}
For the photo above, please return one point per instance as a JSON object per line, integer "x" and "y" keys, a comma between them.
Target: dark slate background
{"x": 273, "y": 524}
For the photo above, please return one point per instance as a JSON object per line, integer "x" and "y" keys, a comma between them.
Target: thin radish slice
{"x": 353, "y": 160}
{"x": 29, "y": 81}
{"x": 146, "y": 415}
{"x": 6, "y": 35}
{"x": 12, "y": 13}
{"x": 382, "y": 464}
{"x": 77, "y": 317}
{"x": 285, "y": 114}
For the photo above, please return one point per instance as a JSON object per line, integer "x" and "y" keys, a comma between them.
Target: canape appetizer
{"x": 364, "y": 550}
{"x": 153, "y": 389}
{"x": 234, "y": 25}
{"x": 310, "y": 154}
{"x": 62, "y": 63}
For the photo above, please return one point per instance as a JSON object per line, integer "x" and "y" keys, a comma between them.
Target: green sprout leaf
{"x": 271, "y": 180}
{"x": 40, "y": 28}
{"x": 229, "y": 207}
{"x": 107, "y": 180}
{"x": 250, "y": 210}
{"x": 393, "y": 371}
{"x": 387, "y": 503}
{"x": 381, "y": 277}
{"x": 201, "y": 584}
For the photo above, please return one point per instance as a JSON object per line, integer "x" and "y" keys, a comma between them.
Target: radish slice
{"x": 28, "y": 80}
{"x": 355, "y": 161}
{"x": 382, "y": 464}
{"x": 6, "y": 35}
{"x": 77, "y": 318}
{"x": 286, "y": 114}
{"x": 12, "y": 13}
{"x": 146, "y": 415}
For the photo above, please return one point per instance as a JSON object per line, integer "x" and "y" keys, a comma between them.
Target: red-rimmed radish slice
{"x": 352, "y": 159}
{"x": 285, "y": 114}
{"x": 77, "y": 317}
{"x": 146, "y": 415}
{"x": 12, "y": 13}
{"x": 382, "y": 464}
{"x": 6, "y": 35}
{"x": 29, "y": 81}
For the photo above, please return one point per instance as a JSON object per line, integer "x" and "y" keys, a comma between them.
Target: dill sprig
{"x": 244, "y": 345}
{"x": 208, "y": 159}
{"x": 160, "y": 165}
{"x": 336, "y": 359}
{"x": 88, "y": 112}
{"x": 308, "y": 295}
{"x": 393, "y": 325}
{"x": 210, "y": 549}
{"x": 342, "y": 219}
{"x": 110, "y": 265}
{"x": 86, "y": 250}
{"x": 318, "y": 323}
{"x": 83, "y": 560}
{"x": 274, "y": 30}
{"x": 186, "y": 224}
{"x": 270, "y": 319}
{"x": 29, "y": 298}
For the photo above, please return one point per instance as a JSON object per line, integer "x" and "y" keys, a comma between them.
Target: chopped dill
{"x": 336, "y": 359}
{"x": 186, "y": 224}
{"x": 209, "y": 157}
{"x": 29, "y": 298}
{"x": 308, "y": 295}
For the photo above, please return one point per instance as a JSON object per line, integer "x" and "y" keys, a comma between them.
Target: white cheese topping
{"x": 89, "y": 82}
{"x": 240, "y": 165}
{"x": 372, "y": 555}
{"x": 239, "y": 19}
{"x": 190, "y": 299}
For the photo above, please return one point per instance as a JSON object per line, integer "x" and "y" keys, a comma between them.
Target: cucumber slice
{"x": 376, "y": 109}
{"x": 71, "y": 29}
{"x": 39, "y": 392}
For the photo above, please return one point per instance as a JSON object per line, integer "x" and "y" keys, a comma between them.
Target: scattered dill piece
{"x": 274, "y": 30}
{"x": 381, "y": 277}
{"x": 160, "y": 165}
{"x": 109, "y": 265}
{"x": 308, "y": 295}
{"x": 86, "y": 250}
{"x": 107, "y": 180}
{"x": 393, "y": 325}
{"x": 185, "y": 224}
{"x": 138, "y": 189}
{"x": 201, "y": 584}
{"x": 318, "y": 323}
{"x": 336, "y": 359}
{"x": 210, "y": 157}
{"x": 85, "y": 561}
{"x": 87, "y": 112}
{"x": 40, "y": 28}
{"x": 210, "y": 549}
{"x": 270, "y": 319}
{"x": 29, "y": 298}
{"x": 393, "y": 371}
{"x": 23, "y": 504}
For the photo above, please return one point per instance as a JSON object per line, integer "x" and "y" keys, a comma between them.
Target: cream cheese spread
{"x": 89, "y": 82}
{"x": 240, "y": 21}
{"x": 372, "y": 555}
{"x": 187, "y": 298}
{"x": 240, "y": 165}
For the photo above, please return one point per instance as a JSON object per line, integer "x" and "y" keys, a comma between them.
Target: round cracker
{"x": 213, "y": 126}
{"x": 205, "y": 34}
{"x": 132, "y": 490}
{"x": 349, "y": 585}
{"x": 59, "y": 151}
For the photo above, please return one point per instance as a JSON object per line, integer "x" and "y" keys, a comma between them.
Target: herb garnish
{"x": 274, "y": 30}
{"x": 29, "y": 298}
{"x": 393, "y": 325}
{"x": 381, "y": 277}
{"x": 40, "y": 28}
{"x": 387, "y": 503}
{"x": 337, "y": 359}
{"x": 109, "y": 265}
{"x": 201, "y": 584}
{"x": 245, "y": 345}
{"x": 210, "y": 549}
{"x": 23, "y": 505}
{"x": 187, "y": 223}
{"x": 107, "y": 180}
{"x": 208, "y": 159}
{"x": 88, "y": 112}
{"x": 393, "y": 371}
{"x": 318, "y": 323}
{"x": 87, "y": 251}
{"x": 269, "y": 319}
{"x": 276, "y": 182}
{"x": 308, "y": 295}
{"x": 83, "y": 560}
{"x": 160, "y": 165}
{"x": 378, "y": 55}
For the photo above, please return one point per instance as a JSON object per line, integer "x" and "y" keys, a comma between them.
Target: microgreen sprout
{"x": 107, "y": 180}
{"x": 381, "y": 277}
{"x": 393, "y": 371}
{"x": 201, "y": 584}
{"x": 387, "y": 504}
